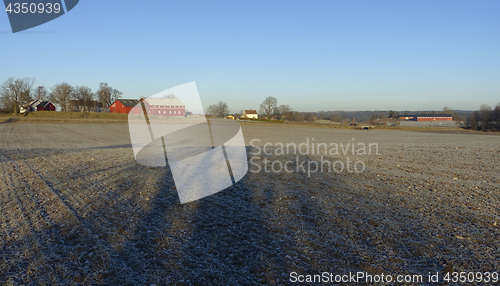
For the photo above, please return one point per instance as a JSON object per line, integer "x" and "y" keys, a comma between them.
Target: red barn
{"x": 123, "y": 105}
{"x": 46, "y": 106}
{"x": 165, "y": 106}
{"x": 433, "y": 117}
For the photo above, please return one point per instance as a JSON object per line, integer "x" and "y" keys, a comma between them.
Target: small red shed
{"x": 123, "y": 105}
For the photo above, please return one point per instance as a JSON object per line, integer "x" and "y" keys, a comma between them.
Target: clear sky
{"x": 312, "y": 55}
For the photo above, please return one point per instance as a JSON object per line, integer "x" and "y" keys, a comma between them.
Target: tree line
{"x": 19, "y": 92}
{"x": 484, "y": 119}
{"x": 269, "y": 110}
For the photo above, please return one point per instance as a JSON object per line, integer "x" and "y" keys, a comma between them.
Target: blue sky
{"x": 312, "y": 55}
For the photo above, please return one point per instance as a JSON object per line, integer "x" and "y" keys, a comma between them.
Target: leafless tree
{"x": 485, "y": 115}
{"x": 16, "y": 92}
{"x": 40, "y": 93}
{"x": 335, "y": 118}
{"x": 284, "y": 111}
{"x": 447, "y": 110}
{"x": 269, "y": 106}
{"x": 106, "y": 95}
{"x": 218, "y": 110}
{"x": 84, "y": 96}
{"x": 222, "y": 109}
{"x": 474, "y": 120}
{"x": 309, "y": 117}
{"x": 61, "y": 94}
{"x": 496, "y": 117}
{"x": 296, "y": 116}
{"x": 6, "y": 102}
{"x": 212, "y": 110}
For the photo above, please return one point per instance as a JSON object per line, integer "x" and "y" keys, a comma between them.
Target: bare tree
{"x": 222, "y": 109}
{"x": 496, "y": 117}
{"x": 474, "y": 120}
{"x": 212, "y": 110}
{"x": 84, "y": 96}
{"x": 284, "y": 111}
{"x": 269, "y": 106}
{"x": 106, "y": 95}
{"x": 296, "y": 116}
{"x": 218, "y": 110}
{"x": 447, "y": 110}
{"x": 335, "y": 118}
{"x": 40, "y": 93}
{"x": 309, "y": 117}
{"x": 485, "y": 115}
{"x": 16, "y": 92}
{"x": 61, "y": 94}
{"x": 6, "y": 101}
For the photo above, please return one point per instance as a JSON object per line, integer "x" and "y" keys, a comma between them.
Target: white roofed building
{"x": 250, "y": 113}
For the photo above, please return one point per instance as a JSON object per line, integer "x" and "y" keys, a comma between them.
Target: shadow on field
{"x": 217, "y": 240}
{"x": 10, "y": 120}
{"x": 129, "y": 228}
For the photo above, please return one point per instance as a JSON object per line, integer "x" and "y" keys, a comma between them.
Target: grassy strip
{"x": 55, "y": 116}
{"x": 68, "y": 115}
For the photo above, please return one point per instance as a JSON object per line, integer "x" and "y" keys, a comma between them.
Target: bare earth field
{"x": 75, "y": 208}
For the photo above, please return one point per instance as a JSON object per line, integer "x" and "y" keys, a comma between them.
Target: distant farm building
{"x": 165, "y": 106}
{"x": 406, "y": 117}
{"x": 433, "y": 117}
{"x": 427, "y": 117}
{"x": 123, "y": 105}
{"x": 33, "y": 105}
{"x": 46, "y": 106}
{"x": 38, "y": 105}
{"x": 250, "y": 114}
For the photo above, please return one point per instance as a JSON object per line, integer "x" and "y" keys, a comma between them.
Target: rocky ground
{"x": 75, "y": 208}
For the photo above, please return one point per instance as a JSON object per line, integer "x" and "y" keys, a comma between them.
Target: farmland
{"x": 75, "y": 207}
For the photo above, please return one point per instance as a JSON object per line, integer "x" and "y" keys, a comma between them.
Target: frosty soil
{"x": 76, "y": 208}
{"x": 309, "y": 149}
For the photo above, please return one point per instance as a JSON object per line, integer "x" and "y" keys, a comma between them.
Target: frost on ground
{"x": 76, "y": 208}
